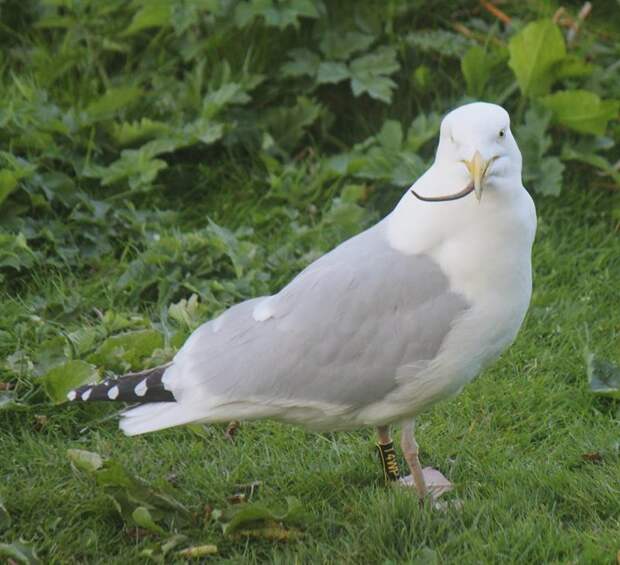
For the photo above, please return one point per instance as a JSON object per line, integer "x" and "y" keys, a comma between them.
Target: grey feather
{"x": 338, "y": 333}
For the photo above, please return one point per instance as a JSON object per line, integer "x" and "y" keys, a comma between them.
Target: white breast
{"x": 485, "y": 250}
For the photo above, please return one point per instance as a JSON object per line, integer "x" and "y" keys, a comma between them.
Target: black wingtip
{"x": 143, "y": 387}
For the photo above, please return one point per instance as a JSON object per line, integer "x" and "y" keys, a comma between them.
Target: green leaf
{"x": 8, "y": 182}
{"x": 541, "y": 173}
{"x": 331, "y": 72}
{"x": 288, "y": 124}
{"x": 550, "y": 180}
{"x": 572, "y": 66}
{"x": 424, "y": 128}
{"x": 303, "y": 63}
{"x": 440, "y": 41}
{"x": 153, "y": 13}
{"x": 338, "y": 45}
{"x": 72, "y": 374}
{"x": 127, "y": 350}
{"x": 368, "y": 74}
{"x": 477, "y": 66}
{"x": 391, "y": 135}
{"x": 581, "y": 110}
{"x": 186, "y": 312}
{"x": 534, "y": 53}
{"x": 19, "y": 552}
{"x": 227, "y": 94}
{"x": 603, "y": 376}
{"x": 15, "y": 252}
{"x": 111, "y": 102}
{"x": 280, "y": 14}
{"x": 128, "y": 133}
{"x": 249, "y": 516}
{"x": 142, "y": 517}
{"x": 85, "y": 460}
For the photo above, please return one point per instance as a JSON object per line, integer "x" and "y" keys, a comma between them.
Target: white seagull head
{"x": 477, "y": 137}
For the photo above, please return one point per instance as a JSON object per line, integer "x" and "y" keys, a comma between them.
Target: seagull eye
{"x": 502, "y": 132}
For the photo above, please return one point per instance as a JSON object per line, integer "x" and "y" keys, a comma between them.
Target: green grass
{"x": 512, "y": 442}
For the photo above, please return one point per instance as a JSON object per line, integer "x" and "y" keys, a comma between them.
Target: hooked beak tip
{"x": 477, "y": 168}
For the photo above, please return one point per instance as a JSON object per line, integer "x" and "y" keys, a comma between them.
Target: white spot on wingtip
{"x": 86, "y": 394}
{"x": 71, "y": 395}
{"x": 140, "y": 389}
{"x": 113, "y": 393}
{"x": 262, "y": 311}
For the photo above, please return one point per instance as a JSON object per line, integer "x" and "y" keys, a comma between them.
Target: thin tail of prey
{"x": 143, "y": 387}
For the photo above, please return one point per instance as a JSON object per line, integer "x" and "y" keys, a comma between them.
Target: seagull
{"x": 379, "y": 329}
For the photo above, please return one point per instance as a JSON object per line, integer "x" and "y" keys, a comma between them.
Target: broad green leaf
{"x": 19, "y": 552}
{"x": 368, "y": 74}
{"x": 127, "y": 133}
{"x": 127, "y": 350}
{"x": 153, "y": 13}
{"x": 534, "y": 53}
{"x": 447, "y": 43}
{"x": 603, "y": 376}
{"x": 112, "y": 101}
{"x": 382, "y": 61}
{"x": 138, "y": 167}
{"x": 8, "y": 182}
{"x": 541, "y": 173}
{"x": 303, "y": 63}
{"x": 275, "y": 14}
{"x": 338, "y": 45}
{"x": 550, "y": 180}
{"x": 255, "y": 515}
{"x": 424, "y": 128}
{"x": 15, "y": 252}
{"x": 477, "y": 67}
{"x": 581, "y": 110}
{"x": 216, "y": 100}
{"x": 88, "y": 461}
{"x": 142, "y": 517}
{"x": 72, "y": 374}
{"x": 331, "y": 72}
{"x": 288, "y": 124}
{"x": 572, "y": 66}
{"x": 391, "y": 135}
{"x": 50, "y": 353}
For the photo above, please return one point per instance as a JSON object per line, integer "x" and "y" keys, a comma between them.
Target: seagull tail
{"x": 143, "y": 387}
{"x": 153, "y": 417}
{"x": 158, "y": 408}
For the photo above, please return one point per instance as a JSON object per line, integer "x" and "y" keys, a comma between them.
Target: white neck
{"x": 415, "y": 226}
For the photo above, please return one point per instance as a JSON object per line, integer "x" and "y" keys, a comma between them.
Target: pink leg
{"x": 426, "y": 480}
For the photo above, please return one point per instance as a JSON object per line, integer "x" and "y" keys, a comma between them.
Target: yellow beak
{"x": 477, "y": 168}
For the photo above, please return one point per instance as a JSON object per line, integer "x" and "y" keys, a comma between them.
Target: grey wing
{"x": 335, "y": 335}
